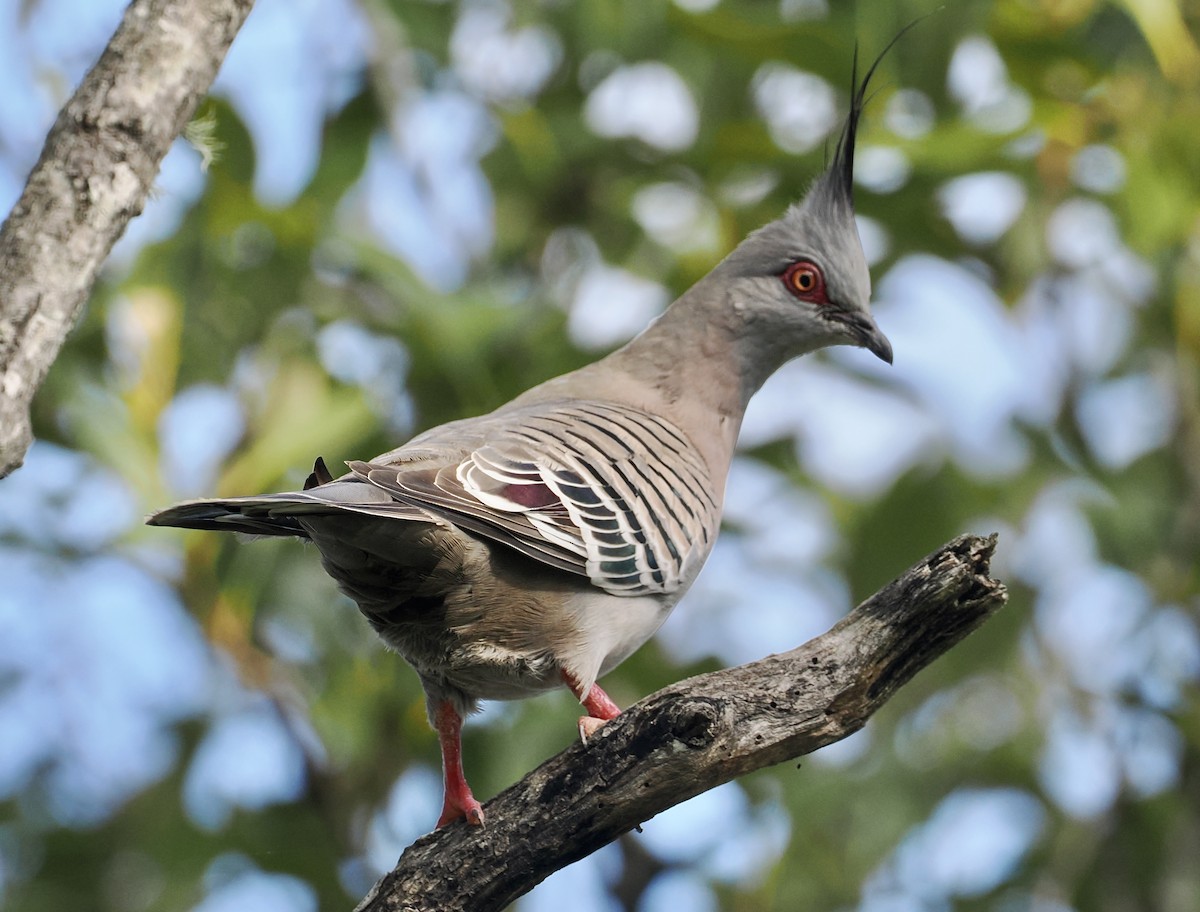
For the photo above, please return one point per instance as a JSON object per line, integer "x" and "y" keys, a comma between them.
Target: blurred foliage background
{"x": 392, "y": 214}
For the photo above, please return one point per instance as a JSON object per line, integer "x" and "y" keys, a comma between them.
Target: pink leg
{"x": 459, "y": 801}
{"x": 599, "y": 706}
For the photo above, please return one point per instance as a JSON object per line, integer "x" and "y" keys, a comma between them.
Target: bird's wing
{"x": 607, "y": 491}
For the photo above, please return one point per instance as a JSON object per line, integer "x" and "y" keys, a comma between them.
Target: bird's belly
{"x": 478, "y": 620}
{"x": 610, "y": 629}
{"x": 587, "y": 634}
{"x": 492, "y": 672}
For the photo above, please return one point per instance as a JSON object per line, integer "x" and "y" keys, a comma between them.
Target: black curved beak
{"x": 877, "y": 343}
{"x": 869, "y": 336}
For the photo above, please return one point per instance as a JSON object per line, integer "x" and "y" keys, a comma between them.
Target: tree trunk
{"x": 94, "y": 174}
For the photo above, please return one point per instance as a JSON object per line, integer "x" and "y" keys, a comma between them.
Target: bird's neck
{"x": 697, "y": 365}
{"x": 708, "y": 348}
{"x": 699, "y": 361}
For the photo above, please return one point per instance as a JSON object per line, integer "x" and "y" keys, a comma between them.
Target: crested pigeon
{"x": 541, "y": 544}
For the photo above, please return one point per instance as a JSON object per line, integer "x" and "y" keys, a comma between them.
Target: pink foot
{"x": 459, "y": 802}
{"x": 599, "y": 706}
{"x": 461, "y": 806}
{"x": 588, "y": 726}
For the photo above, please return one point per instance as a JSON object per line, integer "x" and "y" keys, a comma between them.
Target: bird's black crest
{"x": 841, "y": 170}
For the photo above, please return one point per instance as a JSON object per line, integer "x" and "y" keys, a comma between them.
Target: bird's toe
{"x": 588, "y": 726}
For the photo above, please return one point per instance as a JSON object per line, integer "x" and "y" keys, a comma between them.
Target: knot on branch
{"x": 671, "y": 722}
{"x": 694, "y": 721}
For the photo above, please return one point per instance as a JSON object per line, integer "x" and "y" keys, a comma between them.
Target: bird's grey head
{"x": 803, "y": 278}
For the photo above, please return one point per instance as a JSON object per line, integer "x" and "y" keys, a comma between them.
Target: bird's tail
{"x": 265, "y": 514}
{"x": 280, "y": 514}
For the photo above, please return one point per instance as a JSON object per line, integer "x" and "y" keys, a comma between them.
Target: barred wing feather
{"x": 605, "y": 491}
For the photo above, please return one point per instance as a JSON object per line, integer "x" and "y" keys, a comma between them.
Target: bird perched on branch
{"x": 541, "y": 544}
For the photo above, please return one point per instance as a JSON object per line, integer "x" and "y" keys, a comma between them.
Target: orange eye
{"x": 804, "y": 280}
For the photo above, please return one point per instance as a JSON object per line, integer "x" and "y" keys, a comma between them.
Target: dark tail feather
{"x": 252, "y": 515}
{"x": 280, "y": 514}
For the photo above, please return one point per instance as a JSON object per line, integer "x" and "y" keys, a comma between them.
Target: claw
{"x": 461, "y": 806}
{"x": 588, "y": 726}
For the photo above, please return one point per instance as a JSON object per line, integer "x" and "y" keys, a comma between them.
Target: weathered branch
{"x": 94, "y": 174}
{"x": 697, "y": 734}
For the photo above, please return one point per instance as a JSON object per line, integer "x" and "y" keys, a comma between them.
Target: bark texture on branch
{"x": 698, "y": 734}
{"x": 96, "y": 169}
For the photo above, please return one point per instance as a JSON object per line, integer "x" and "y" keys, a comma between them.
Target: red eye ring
{"x": 805, "y": 280}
